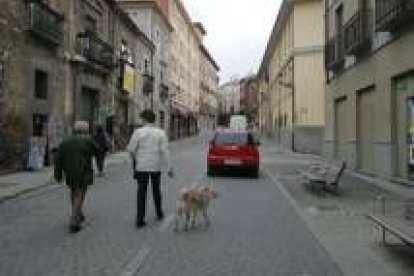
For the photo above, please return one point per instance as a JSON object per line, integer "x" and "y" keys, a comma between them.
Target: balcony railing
{"x": 95, "y": 50}
{"x": 334, "y": 53}
{"x": 45, "y": 22}
{"x": 357, "y": 34}
{"x": 391, "y": 15}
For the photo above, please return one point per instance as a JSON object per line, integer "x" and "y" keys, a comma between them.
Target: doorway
{"x": 403, "y": 99}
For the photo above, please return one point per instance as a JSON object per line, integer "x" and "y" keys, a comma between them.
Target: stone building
{"x": 105, "y": 73}
{"x": 63, "y": 61}
{"x": 31, "y": 74}
{"x": 370, "y": 84}
{"x": 152, "y": 20}
{"x": 293, "y": 70}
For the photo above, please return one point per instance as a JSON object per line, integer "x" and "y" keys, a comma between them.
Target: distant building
{"x": 230, "y": 95}
{"x": 249, "y": 97}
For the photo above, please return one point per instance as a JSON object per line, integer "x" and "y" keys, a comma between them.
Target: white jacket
{"x": 149, "y": 147}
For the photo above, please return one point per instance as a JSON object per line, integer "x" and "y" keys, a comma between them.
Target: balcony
{"x": 95, "y": 50}
{"x": 391, "y": 15}
{"x": 357, "y": 34}
{"x": 334, "y": 53}
{"x": 45, "y": 22}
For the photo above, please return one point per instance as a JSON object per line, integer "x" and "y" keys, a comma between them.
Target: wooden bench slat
{"x": 395, "y": 227}
{"x": 312, "y": 176}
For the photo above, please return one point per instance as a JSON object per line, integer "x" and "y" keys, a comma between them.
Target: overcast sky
{"x": 237, "y": 31}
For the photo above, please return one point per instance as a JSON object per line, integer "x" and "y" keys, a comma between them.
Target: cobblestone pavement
{"x": 255, "y": 230}
{"x": 340, "y": 222}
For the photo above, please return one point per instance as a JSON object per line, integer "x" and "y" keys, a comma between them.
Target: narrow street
{"x": 255, "y": 229}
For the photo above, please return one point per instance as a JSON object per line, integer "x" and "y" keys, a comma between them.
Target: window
{"x": 2, "y": 112}
{"x": 1, "y": 77}
{"x": 40, "y": 84}
{"x": 162, "y": 118}
{"x": 39, "y": 124}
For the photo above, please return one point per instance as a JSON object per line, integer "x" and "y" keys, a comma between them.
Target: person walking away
{"x": 74, "y": 159}
{"x": 150, "y": 153}
{"x": 101, "y": 140}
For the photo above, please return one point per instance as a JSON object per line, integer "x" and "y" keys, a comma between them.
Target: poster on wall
{"x": 410, "y": 136}
{"x": 128, "y": 78}
{"x": 55, "y": 131}
{"x": 36, "y": 153}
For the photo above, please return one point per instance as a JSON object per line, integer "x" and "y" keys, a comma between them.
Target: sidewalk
{"x": 16, "y": 184}
{"x": 338, "y": 221}
{"x": 401, "y": 188}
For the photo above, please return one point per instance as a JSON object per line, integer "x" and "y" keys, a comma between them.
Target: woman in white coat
{"x": 150, "y": 153}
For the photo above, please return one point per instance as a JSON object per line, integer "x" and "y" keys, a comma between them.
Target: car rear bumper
{"x": 238, "y": 162}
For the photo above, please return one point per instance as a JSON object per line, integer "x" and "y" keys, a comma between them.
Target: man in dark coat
{"x": 74, "y": 159}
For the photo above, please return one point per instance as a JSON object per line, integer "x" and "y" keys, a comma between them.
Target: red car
{"x": 233, "y": 149}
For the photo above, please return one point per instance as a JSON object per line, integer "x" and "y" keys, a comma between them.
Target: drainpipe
{"x": 293, "y": 104}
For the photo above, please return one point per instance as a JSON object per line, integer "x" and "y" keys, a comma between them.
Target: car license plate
{"x": 232, "y": 162}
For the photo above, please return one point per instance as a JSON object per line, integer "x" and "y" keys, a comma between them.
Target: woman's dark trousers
{"x": 143, "y": 180}
{"x": 100, "y": 161}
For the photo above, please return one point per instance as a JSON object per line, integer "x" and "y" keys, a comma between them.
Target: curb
{"x": 299, "y": 211}
{"x": 18, "y": 194}
{"x": 50, "y": 182}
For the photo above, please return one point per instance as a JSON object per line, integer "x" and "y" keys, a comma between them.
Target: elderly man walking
{"x": 74, "y": 159}
{"x": 149, "y": 151}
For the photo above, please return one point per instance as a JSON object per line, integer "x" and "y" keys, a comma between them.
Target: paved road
{"x": 255, "y": 230}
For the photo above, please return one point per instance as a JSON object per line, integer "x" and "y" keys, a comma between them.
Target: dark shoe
{"x": 160, "y": 216}
{"x": 81, "y": 218}
{"x": 140, "y": 224}
{"x": 74, "y": 228}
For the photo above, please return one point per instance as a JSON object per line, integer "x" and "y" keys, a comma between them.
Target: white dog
{"x": 190, "y": 203}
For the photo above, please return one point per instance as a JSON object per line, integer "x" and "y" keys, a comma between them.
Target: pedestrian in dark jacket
{"x": 101, "y": 141}
{"x": 74, "y": 158}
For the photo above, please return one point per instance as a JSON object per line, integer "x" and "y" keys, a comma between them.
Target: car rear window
{"x": 233, "y": 138}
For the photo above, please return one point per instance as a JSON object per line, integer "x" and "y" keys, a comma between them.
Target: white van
{"x": 238, "y": 122}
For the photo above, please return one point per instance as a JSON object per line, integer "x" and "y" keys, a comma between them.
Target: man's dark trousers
{"x": 143, "y": 180}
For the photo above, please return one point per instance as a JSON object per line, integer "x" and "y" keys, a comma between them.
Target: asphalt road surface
{"x": 255, "y": 230}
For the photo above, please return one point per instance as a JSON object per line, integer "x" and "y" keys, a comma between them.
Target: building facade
{"x": 370, "y": 84}
{"x": 31, "y": 74}
{"x": 293, "y": 73}
{"x": 209, "y": 88}
{"x": 150, "y": 17}
{"x": 185, "y": 72}
{"x": 249, "y": 97}
{"x": 63, "y": 61}
{"x": 230, "y": 99}
{"x": 110, "y": 66}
